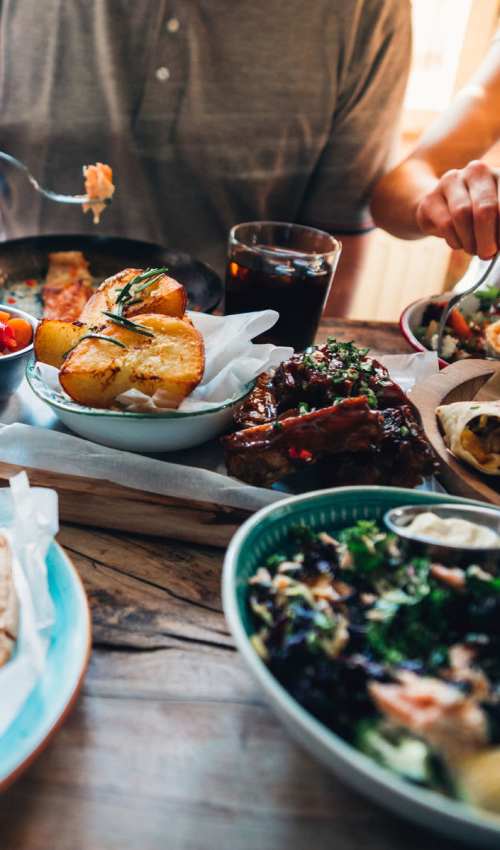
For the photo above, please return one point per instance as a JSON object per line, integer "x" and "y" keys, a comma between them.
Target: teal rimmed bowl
{"x": 260, "y": 536}
{"x": 166, "y": 431}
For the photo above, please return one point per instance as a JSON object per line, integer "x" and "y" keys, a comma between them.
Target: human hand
{"x": 463, "y": 208}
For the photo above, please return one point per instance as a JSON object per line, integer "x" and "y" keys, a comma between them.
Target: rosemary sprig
{"x": 126, "y": 323}
{"x": 120, "y": 306}
{"x": 94, "y": 336}
{"x": 125, "y": 293}
{"x": 146, "y": 284}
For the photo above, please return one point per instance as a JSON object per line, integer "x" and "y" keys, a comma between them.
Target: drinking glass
{"x": 285, "y": 267}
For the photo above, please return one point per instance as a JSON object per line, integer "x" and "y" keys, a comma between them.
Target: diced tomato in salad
{"x": 466, "y": 326}
{"x": 459, "y": 324}
{"x": 15, "y": 333}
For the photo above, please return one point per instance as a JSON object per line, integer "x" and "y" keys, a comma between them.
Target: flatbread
{"x": 455, "y": 418}
{"x": 9, "y": 608}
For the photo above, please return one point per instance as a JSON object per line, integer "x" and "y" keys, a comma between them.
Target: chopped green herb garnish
{"x": 480, "y": 583}
{"x": 274, "y": 561}
{"x": 370, "y": 395}
{"x": 367, "y": 545}
{"x": 488, "y": 297}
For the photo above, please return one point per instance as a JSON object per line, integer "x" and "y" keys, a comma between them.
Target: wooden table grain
{"x": 171, "y": 745}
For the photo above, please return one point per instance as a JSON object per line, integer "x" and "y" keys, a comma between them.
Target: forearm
{"x": 398, "y": 194}
{"x": 464, "y": 132}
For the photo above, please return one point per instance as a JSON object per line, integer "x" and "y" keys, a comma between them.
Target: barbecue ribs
{"x": 333, "y": 407}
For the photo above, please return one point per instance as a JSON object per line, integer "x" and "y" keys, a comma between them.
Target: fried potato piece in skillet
{"x": 68, "y": 286}
{"x": 169, "y": 358}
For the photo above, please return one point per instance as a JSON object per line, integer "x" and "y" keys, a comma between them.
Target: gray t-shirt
{"x": 209, "y": 111}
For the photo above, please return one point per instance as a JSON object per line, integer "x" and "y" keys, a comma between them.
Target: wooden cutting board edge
{"x": 458, "y": 382}
{"x": 103, "y": 504}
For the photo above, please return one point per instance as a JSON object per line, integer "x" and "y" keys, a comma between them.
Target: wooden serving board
{"x": 459, "y": 382}
{"x": 103, "y": 504}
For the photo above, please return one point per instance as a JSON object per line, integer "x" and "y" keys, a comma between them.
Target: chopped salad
{"x": 15, "y": 333}
{"x": 395, "y": 652}
{"x": 472, "y": 330}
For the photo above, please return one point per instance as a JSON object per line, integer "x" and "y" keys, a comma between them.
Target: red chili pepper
{"x": 300, "y": 454}
{"x": 11, "y": 300}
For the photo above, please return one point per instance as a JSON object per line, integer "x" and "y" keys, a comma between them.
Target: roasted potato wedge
{"x": 165, "y": 296}
{"x": 53, "y": 338}
{"x": 172, "y": 360}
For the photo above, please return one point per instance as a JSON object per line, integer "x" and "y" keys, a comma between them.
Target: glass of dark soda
{"x": 284, "y": 267}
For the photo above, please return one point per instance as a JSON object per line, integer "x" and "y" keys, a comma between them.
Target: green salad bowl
{"x": 261, "y": 536}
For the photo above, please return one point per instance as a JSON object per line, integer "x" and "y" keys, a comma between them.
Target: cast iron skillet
{"x": 107, "y": 255}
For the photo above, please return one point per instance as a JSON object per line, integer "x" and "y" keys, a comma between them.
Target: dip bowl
{"x": 399, "y": 519}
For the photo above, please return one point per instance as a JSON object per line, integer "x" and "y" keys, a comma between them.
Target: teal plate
{"x": 262, "y": 535}
{"x": 68, "y": 654}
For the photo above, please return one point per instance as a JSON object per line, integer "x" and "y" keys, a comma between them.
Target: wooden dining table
{"x": 171, "y": 745}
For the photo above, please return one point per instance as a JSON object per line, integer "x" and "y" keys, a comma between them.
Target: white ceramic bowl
{"x": 263, "y": 534}
{"x": 136, "y": 432}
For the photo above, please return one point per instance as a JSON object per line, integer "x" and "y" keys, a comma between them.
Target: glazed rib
{"x": 266, "y": 453}
{"x": 401, "y": 459}
{"x": 337, "y": 408}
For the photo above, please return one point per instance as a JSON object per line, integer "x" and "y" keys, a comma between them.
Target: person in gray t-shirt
{"x": 210, "y": 112}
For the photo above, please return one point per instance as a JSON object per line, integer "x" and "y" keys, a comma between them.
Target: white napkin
{"x": 29, "y": 519}
{"x": 411, "y": 369}
{"x": 232, "y": 360}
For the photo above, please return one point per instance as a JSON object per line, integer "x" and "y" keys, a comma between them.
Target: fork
{"x": 47, "y": 193}
{"x": 455, "y": 299}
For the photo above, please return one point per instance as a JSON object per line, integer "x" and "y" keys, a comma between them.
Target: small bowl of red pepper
{"x": 16, "y": 345}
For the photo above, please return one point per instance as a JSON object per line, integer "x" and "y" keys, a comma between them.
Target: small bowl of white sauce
{"x": 460, "y": 535}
